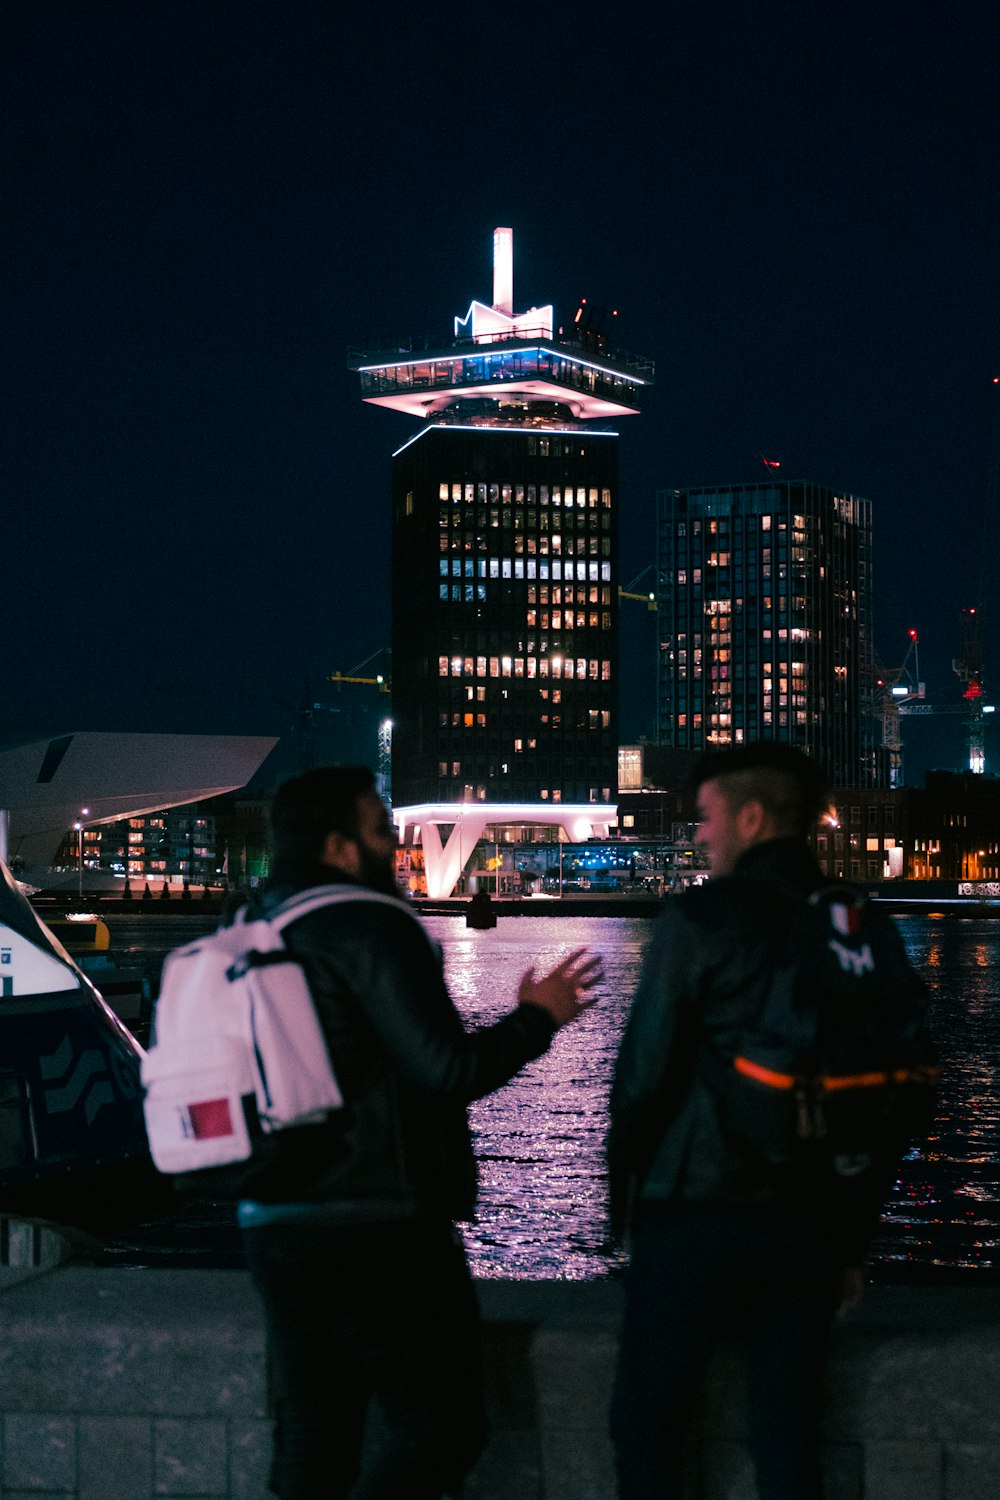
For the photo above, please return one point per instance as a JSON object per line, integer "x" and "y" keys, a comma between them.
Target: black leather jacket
{"x": 705, "y": 974}
{"x": 406, "y": 1066}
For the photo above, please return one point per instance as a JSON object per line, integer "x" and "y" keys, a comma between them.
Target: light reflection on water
{"x": 540, "y": 1140}
{"x": 946, "y": 1208}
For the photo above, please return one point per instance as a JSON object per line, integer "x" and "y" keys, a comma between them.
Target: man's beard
{"x": 378, "y": 874}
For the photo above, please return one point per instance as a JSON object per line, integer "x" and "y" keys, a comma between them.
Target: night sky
{"x": 794, "y": 208}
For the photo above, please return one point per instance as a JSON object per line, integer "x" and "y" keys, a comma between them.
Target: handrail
{"x": 389, "y": 354}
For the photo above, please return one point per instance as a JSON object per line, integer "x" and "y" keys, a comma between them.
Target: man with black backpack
{"x": 774, "y": 1066}
{"x": 351, "y": 1235}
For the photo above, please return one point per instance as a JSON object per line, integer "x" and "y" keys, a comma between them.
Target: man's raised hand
{"x": 563, "y": 990}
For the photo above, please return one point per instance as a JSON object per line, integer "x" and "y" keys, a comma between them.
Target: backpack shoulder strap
{"x": 304, "y": 903}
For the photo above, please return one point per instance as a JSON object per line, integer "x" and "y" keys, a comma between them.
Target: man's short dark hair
{"x": 790, "y": 786}
{"x": 319, "y": 802}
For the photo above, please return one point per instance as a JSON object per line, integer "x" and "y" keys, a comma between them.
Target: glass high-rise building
{"x": 764, "y": 600}
{"x": 504, "y": 631}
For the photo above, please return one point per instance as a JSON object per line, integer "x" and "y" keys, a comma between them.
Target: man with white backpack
{"x": 351, "y": 1238}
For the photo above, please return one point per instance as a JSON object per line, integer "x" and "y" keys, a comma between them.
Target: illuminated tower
{"x": 504, "y": 554}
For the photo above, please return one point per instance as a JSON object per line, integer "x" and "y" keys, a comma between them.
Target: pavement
{"x": 133, "y": 1384}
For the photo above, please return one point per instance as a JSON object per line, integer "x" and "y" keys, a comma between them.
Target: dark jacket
{"x": 704, "y": 978}
{"x": 406, "y": 1066}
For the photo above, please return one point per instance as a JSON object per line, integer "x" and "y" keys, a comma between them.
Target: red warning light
{"x": 974, "y": 690}
{"x": 772, "y": 463}
{"x": 913, "y": 635}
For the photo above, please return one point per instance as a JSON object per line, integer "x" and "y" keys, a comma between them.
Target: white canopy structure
{"x": 46, "y": 781}
{"x": 444, "y": 863}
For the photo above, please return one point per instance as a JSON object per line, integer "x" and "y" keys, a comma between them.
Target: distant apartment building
{"x": 948, "y": 829}
{"x": 176, "y": 844}
{"x": 866, "y": 836}
{"x": 764, "y": 601}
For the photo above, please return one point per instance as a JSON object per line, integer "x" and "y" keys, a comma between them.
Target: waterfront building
{"x": 504, "y": 585}
{"x": 948, "y": 829}
{"x": 59, "y": 790}
{"x": 177, "y": 843}
{"x": 868, "y": 836}
{"x": 765, "y": 619}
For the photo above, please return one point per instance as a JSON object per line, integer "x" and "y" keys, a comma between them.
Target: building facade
{"x": 948, "y": 830}
{"x": 504, "y": 616}
{"x": 177, "y": 843}
{"x": 764, "y": 599}
{"x": 505, "y": 556}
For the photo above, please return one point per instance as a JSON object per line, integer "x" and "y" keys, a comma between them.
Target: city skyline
{"x": 794, "y": 215}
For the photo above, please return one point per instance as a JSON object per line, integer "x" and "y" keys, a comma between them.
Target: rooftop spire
{"x": 503, "y": 271}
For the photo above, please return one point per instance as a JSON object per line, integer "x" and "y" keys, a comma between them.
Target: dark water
{"x": 540, "y": 1140}
{"x": 945, "y": 1212}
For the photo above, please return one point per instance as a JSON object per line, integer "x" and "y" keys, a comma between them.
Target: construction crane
{"x": 897, "y": 688}
{"x": 902, "y": 693}
{"x": 380, "y": 681}
{"x": 356, "y": 677}
{"x": 968, "y": 665}
{"x": 897, "y": 696}
{"x": 649, "y": 600}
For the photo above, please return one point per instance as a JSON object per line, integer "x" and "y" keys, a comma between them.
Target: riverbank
{"x": 614, "y": 905}
{"x": 149, "y": 1385}
{"x": 891, "y": 896}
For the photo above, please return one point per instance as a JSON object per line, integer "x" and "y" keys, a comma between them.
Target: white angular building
{"x": 46, "y": 782}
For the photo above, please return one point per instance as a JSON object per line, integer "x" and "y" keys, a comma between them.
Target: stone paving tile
{"x": 39, "y": 1452}
{"x": 116, "y": 1458}
{"x": 189, "y": 1457}
{"x": 249, "y": 1459}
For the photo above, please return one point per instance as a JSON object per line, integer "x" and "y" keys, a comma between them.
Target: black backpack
{"x": 838, "y": 1066}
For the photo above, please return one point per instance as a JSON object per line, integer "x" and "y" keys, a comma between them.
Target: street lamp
{"x": 79, "y": 834}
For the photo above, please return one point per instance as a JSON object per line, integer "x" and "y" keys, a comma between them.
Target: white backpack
{"x": 238, "y": 1051}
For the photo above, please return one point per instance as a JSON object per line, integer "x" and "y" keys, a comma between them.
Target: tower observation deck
{"x": 504, "y": 584}
{"x": 502, "y": 366}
